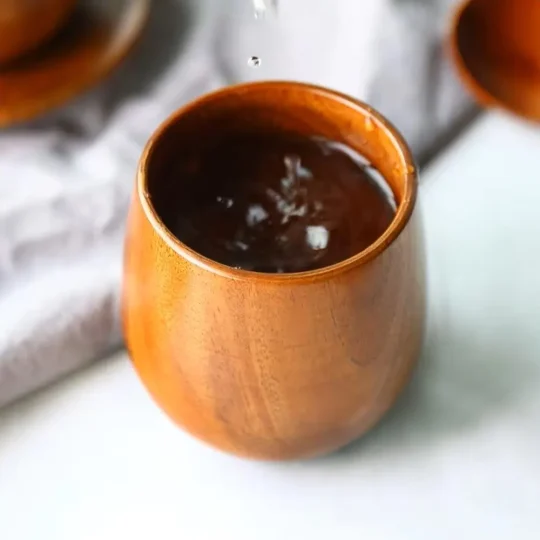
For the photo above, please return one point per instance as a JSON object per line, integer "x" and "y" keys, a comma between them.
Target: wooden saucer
{"x": 94, "y": 41}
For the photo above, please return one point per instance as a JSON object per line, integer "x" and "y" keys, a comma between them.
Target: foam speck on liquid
{"x": 226, "y": 201}
{"x": 317, "y": 236}
{"x": 255, "y": 215}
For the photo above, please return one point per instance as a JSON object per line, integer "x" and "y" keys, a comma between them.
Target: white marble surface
{"x": 457, "y": 458}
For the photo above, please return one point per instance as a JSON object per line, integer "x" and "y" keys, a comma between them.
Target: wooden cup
{"x": 274, "y": 366}
{"x": 495, "y": 46}
{"x": 25, "y": 24}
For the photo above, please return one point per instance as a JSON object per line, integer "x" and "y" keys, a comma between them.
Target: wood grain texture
{"x": 95, "y": 39}
{"x": 275, "y": 366}
{"x": 495, "y": 45}
{"x": 25, "y": 24}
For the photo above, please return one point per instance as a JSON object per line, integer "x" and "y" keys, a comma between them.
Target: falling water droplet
{"x": 254, "y": 61}
{"x": 370, "y": 126}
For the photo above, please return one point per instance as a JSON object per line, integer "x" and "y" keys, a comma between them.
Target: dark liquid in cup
{"x": 278, "y": 202}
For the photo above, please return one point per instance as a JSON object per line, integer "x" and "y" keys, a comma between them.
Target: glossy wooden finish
{"x": 495, "y": 45}
{"x": 275, "y": 366}
{"x": 96, "y": 39}
{"x": 25, "y": 24}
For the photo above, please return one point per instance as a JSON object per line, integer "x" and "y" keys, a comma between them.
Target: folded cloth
{"x": 62, "y": 214}
{"x": 414, "y": 84}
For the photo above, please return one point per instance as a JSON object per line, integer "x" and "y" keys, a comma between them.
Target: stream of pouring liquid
{"x": 263, "y": 7}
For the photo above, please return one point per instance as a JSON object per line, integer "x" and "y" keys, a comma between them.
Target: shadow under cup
{"x": 272, "y": 366}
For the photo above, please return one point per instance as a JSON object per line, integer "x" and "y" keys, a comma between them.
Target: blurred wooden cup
{"x": 26, "y": 24}
{"x": 273, "y": 366}
{"x": 495, "y": 45}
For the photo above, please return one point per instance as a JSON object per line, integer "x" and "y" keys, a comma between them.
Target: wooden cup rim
{"x": 403, "y": 214}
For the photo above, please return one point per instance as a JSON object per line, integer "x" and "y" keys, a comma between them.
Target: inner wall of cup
{"x": 264, "y": 109}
